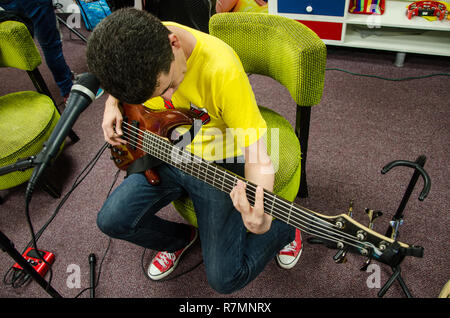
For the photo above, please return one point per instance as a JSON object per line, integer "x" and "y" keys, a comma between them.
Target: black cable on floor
{"x": 389, "y": 79}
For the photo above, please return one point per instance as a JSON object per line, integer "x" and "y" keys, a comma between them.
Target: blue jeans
{"x": 232, "y": 256}
{"x": 42, "y": 14}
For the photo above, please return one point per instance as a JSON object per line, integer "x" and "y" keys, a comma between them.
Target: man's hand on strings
{"x": 255, "y": 220}
{"x": 112, "y": 122}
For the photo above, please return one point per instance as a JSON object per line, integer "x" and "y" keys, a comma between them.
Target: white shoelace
{"x": 290, "y": 247}
{"x": 165, "y": 257}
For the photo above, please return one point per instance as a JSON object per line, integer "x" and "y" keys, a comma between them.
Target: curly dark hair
{"x": 127, "y": 51}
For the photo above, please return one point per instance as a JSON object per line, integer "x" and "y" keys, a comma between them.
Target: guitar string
{"x": 226, "y": 186}
{"x": 314, "y": 232}
{"x": 165, "y": 143}
{"x": 312, "y": 218}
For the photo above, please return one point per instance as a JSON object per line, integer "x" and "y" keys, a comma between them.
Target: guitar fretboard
{"x": 225, "y": 181}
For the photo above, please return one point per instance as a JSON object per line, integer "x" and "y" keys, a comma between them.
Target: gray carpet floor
{"x": 361, "y": 124}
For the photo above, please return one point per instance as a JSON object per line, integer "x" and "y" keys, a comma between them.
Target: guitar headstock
{"x": 346, "y": 234}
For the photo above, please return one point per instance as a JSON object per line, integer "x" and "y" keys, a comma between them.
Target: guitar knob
{"x": 341, "y": 256}
{"x": 366, "y": 264}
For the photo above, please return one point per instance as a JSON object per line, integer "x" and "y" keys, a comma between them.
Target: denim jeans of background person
{"x": 42, "y": 13}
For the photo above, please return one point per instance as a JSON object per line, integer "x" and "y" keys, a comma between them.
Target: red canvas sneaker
{"x": 289, "y": 255}
{"x": 165, "y": 263}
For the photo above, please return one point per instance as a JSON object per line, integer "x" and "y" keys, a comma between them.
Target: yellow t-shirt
{"x": 250, "y": 6}
{"x": 215, "y": 81}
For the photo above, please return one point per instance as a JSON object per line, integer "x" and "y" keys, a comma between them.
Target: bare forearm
{"x": 261, "y": 173}
{"x": 259, "y": 170}
{"x": 258, "y": 166}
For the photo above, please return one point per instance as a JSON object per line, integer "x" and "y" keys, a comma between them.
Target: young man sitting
{"x": 140, "y": 60}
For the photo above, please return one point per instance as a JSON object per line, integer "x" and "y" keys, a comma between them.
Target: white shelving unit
{"x": 391, "y": 31}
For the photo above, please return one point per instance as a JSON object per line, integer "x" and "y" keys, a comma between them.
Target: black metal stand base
{"x": 7, "y": 246}
{"x": 396, "y": 276}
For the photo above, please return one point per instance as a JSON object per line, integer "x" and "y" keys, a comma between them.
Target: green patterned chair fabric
{"x": 17, "y": 47}
{"x": 293, "y": 55}
{"x": 278, "y": 47}
{"x": 26, "y": 118}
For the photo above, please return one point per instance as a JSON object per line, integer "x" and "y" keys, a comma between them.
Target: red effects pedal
{"x": 32, "y": 257}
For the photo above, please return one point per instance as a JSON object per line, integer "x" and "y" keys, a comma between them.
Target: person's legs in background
{"x": 42, "y": 14}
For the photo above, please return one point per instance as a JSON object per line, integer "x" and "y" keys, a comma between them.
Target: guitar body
{"x": 139, "y": 119}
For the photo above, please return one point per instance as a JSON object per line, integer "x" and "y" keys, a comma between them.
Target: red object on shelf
{"x": 325, "y": 30}
{"x": 426, "y": 8}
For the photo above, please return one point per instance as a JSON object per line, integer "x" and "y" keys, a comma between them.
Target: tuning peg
{"x": 350, "y": 209}
{"x": 395, "y": 224}
{"x": 366, "y": 264}
{"x": 341, "y": 255}
{"x": 372, "y": 216}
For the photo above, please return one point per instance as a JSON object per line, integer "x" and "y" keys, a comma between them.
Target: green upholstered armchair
{"x": 293, "y": 55}
{"x": 27, "y": 118}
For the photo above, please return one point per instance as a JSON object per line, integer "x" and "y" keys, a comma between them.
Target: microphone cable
{"x": 107, "y": 248}
{"x": 19, "y": 278}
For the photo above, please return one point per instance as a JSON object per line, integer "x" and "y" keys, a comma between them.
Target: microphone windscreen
{"x": 87, "y": 81}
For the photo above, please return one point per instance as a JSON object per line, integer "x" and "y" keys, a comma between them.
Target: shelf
{"x": 400, "y": 40}
{"x": 391, "y": 31}
{"x": 395, "y": 16}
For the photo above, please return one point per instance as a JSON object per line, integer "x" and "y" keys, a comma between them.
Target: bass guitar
{"x": 147, "y": 132}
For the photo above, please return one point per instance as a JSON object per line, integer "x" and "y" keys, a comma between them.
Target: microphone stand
{"x": 7, "y": 245}
{"x": 25, "y": 164}
{"x": 85, "y": 88}
{"x": 81, "y": 36}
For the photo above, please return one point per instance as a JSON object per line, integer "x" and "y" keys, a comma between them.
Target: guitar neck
{"x": 225, "y": 181}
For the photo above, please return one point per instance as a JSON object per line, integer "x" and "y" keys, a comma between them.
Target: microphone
{"x": 92, "y": 261}
{"x": 81, "y": 95}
